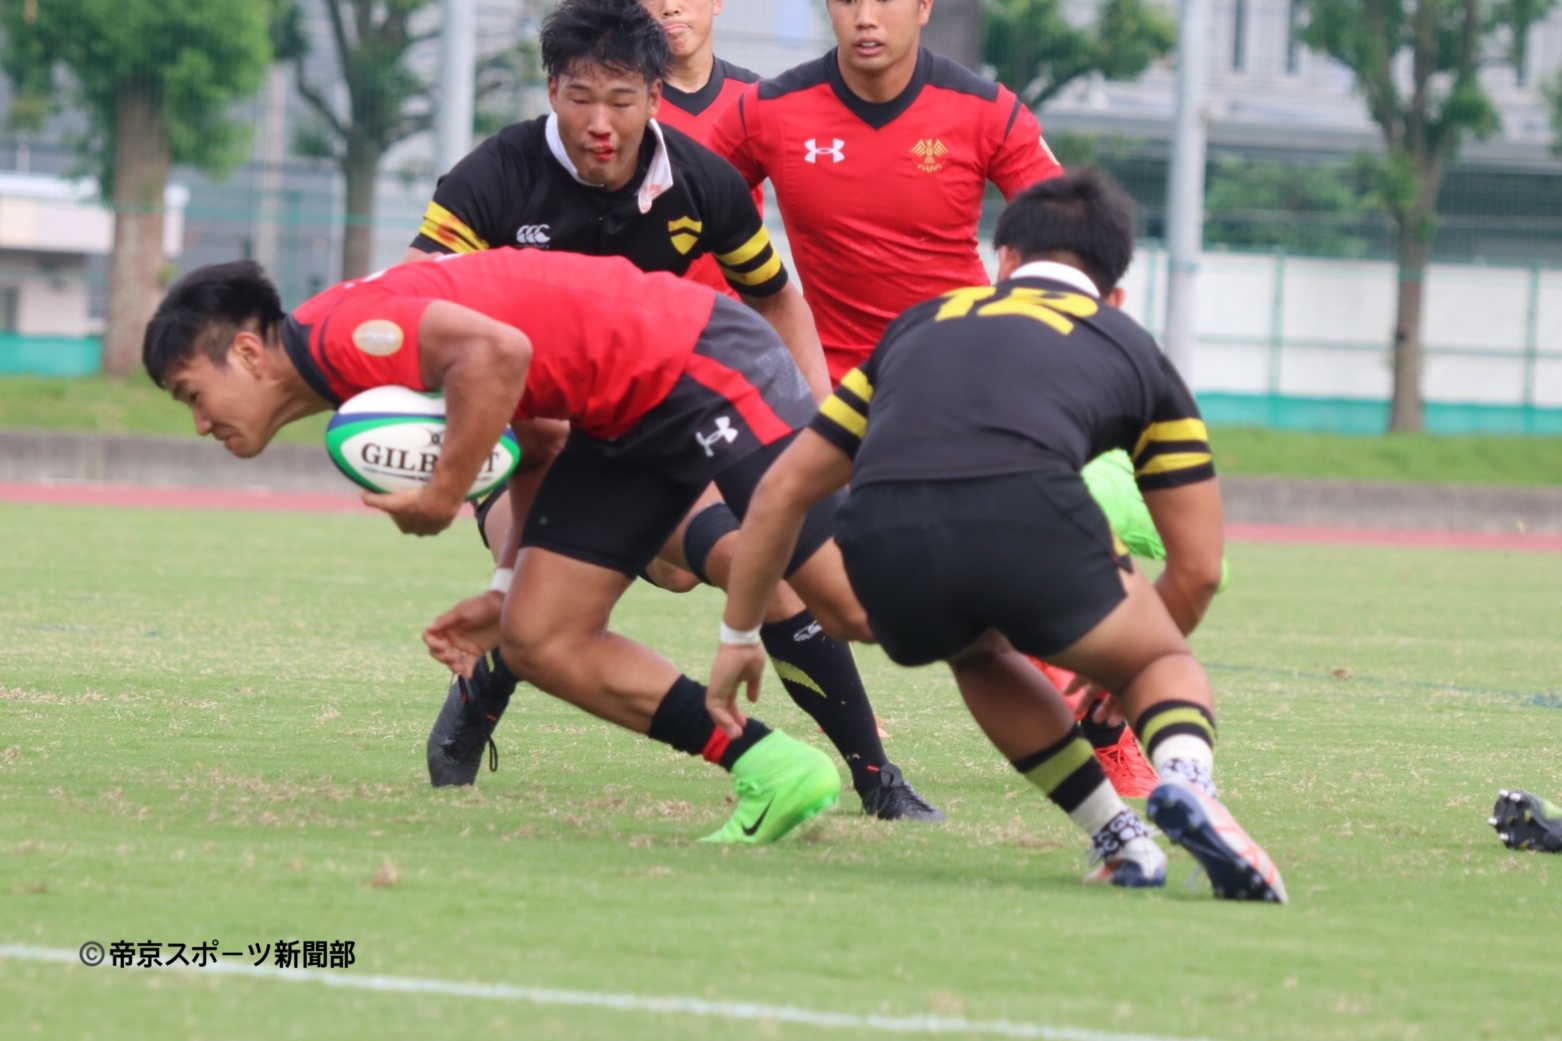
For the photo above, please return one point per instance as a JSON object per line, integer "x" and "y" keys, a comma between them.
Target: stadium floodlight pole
{"x": 457, "y": 82}
{"x": 1185, "y": 186}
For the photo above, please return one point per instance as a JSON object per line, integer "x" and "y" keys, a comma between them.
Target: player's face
{"x": 876, "y": 35}
{"x": 602, "y": 117}
{"x": 686, "y": 22}
{"x": 231, "y": 403}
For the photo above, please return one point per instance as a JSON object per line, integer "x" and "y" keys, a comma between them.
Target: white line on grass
{"x": 622, "y": 1002}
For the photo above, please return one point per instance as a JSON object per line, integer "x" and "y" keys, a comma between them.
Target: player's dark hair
{"x": 203, "y": 311}
{"x": 619, "y": 35}
{"x": 1082, "y": 212}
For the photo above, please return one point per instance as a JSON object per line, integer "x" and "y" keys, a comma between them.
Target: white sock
{"x": 1186, "y": 759}
{"x": 1099, "y": 807}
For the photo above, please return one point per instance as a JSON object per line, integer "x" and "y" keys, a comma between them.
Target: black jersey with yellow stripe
{"x": 512, "y": 191}
{"x": 1030, "y": 375}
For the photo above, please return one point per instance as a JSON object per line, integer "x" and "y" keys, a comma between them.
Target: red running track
{"x": 135, "y": 496}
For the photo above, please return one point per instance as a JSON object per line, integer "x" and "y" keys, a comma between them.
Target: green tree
{"x": 1424, "y": 106}
{"x": 156, "y": 79}
{"x": 1301, "y": 209}
{"x": 1037, "y": 51}
{"x": 385, "y": 101}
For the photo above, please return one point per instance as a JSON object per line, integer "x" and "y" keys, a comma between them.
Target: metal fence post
{"x": 1531, "y": 346}
{"x": 1276, "y": 335}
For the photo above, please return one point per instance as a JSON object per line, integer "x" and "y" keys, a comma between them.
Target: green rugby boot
{"x": 1525, "y": 821}
{"x": 781, "y": 783}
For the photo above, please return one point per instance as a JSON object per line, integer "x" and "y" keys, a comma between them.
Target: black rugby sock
{"x": 820, "y": 674}
{"x": 682, "y": 722}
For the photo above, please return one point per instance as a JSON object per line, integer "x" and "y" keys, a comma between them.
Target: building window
{"x": 1239, "y": 36}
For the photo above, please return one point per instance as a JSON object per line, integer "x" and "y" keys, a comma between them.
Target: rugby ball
{"x": 388, "y": 439}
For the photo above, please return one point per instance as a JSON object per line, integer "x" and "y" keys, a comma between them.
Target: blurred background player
{"x": 1525, "y": 821}
{"x": 697, "y": 88}
{"x": 667, "y": 387}
{"x": 879, "y": 154}
{"x": 600, "y": 176}
{"x": 976, "y": 467}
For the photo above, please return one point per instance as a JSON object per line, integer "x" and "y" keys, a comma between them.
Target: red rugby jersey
{"x": 608, "y": 340}
{"x": 881, "y": 201}
{"x": 695, "y": 113}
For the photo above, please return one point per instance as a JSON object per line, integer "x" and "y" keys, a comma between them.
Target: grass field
{"x": 211, "y": 729}
{"x": 137, "y": 407}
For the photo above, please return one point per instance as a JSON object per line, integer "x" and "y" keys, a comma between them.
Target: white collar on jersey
{"x": 1058, "y": 273}
{"x": 658, "y": 179}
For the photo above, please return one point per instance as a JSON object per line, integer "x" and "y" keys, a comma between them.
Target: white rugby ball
{"x": 388, "y": 439}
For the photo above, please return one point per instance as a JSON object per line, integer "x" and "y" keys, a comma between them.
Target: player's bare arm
{"x": 792, "y": 319}
{"x": 1190, "y": 521}
{"x": 481, "y": 366}
{"x": 808, "y": 471}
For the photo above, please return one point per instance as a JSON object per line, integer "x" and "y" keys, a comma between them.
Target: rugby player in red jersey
{"x": 697, "y": 89}
{"x": 880, "y": 153}
{"x": 600, "y": 176}
{"x": 667, "y": 388}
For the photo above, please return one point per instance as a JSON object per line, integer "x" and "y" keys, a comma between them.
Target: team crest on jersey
{"x": 685, "y": 232}
{"x": 378, "y": 337}
{"x": 928, "y": 152}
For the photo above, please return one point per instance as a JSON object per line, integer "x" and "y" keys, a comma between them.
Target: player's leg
{"x": 472, "y": 708}
{"x": 818, "y": 669}
{"x": 1138, "y": 652}
{"x": 1026, "y": 719}
{"x": 923, "y": 614}
{"x": 764, "y": 395}
{"x": 556, "y": 637}
{"x": 1110, "y": 479}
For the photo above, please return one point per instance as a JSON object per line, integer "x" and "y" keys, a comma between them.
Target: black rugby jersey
{"x": 1030, "y": 375}
{"x": 512, "y": 191}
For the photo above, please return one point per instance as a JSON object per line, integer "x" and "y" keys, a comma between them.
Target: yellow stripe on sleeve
{"x": 858, "y": 384}
{"x": 1172, "y": 430}
{"x": 759, "y": 276}
{"x": 1173, "y": 461}
{"x": 449, "y": 230}
{"x": 843, "y": 415}
{"x": 746, "y": 252}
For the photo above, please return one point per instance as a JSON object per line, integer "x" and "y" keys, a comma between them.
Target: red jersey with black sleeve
{"x": 608, "y": 340}
{"x": 881, "y": 201}
{"x": 695, "y": 113}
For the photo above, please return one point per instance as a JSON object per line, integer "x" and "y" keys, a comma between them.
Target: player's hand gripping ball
{"x": 388, "y": 439}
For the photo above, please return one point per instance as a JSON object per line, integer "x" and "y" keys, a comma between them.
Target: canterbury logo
{"x": 685, "y": 232}
{"x": 807, "y": 632}
{"x": 834, "y": 151}
{"x": 929, "y": 151}
{"x": 532, "y": 235}
{"x": 724, "y": 432}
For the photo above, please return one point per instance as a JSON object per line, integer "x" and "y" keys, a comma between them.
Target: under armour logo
{"x": 724, "y": 432}
{"x": 807, "y": 632}
{"x": 814, "y": 151}
{"x": 532, "y": 235}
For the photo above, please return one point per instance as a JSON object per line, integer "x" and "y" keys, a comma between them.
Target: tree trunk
{"x": 1415, "y": 248}
{"x": 135, "y": 268}
{"x": 360, "y": 167}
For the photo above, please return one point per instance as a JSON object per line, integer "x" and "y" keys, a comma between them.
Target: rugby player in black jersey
{"x": 973, "y": 462}
{"x": 600, "y": 176}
